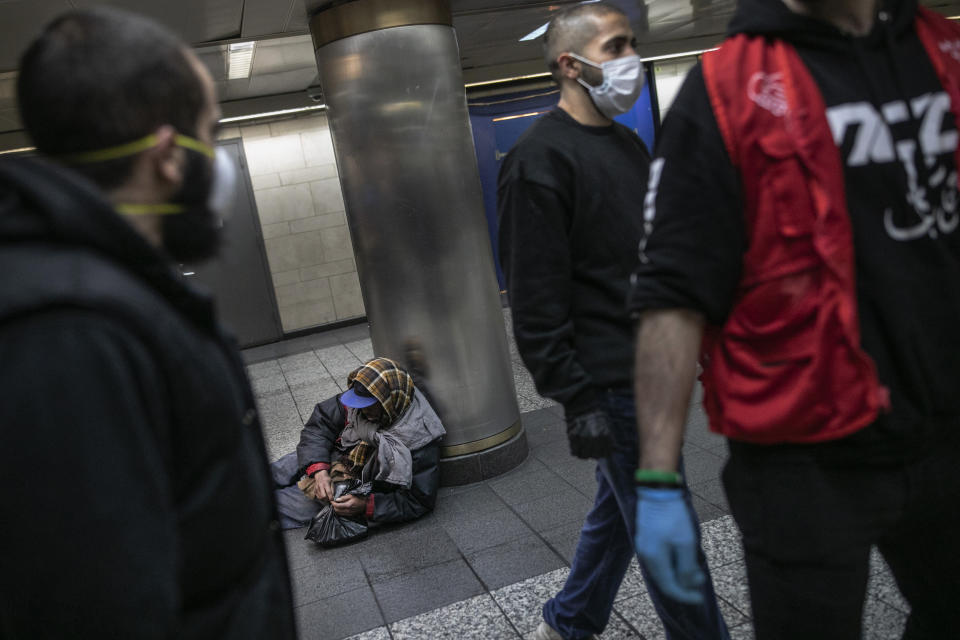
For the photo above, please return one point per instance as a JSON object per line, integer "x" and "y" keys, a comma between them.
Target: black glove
{"x": 589, "y": 435}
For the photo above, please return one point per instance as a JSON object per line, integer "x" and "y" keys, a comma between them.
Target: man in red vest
{"x": 802, "y": 236}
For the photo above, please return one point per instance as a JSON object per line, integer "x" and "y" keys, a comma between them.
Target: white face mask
{"x": 622, "y": 83}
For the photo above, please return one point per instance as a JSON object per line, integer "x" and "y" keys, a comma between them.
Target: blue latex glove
{"x": 667, "y": 544}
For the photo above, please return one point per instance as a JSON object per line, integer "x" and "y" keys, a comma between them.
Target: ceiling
{"x": 283, "y": 63}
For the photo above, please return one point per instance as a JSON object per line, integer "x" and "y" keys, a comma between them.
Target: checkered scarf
{"x": 388, "y": 383}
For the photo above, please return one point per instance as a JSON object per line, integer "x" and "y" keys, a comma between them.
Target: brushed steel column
{"x": 391, "y": 78}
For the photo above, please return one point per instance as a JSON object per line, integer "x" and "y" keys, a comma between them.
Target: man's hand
{"x": 589, "y": 435}
{"x": 323, "y": 486}
{"x": 667, "y": 544}
{"x": 350, "y": 505}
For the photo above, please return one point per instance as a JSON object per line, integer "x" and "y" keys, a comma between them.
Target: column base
{"x": 474, "y": 467}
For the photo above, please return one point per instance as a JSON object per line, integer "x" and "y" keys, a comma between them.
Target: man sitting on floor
{"x": 381, "y": 430}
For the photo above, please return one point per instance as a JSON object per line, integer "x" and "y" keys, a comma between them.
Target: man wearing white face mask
{"x": 569, "y": 198}
{"x": 132, "y": 458}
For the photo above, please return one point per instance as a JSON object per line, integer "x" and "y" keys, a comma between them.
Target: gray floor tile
{"x": 269, "y": 385}
{"x": 299, "y": 361}
{"x": 263, "y": 369}
{"x": 426, "y": 589}
{"x": 313, "y": 376}
{"x": 523, "y": 602}
{"x": 362, "y": 349}
{"x": 478, "y": 498}
{"x": 529, "y": 481}
{"x": 698, "y": 430}
{"x": 712, "y": 491}
{"x": 340, "y": 616}
{"x": 532, "y": 403}
{"x": 327, "y": 576}
{"x": 549, "y": 512}
{"x": 392, "y": 553}
{"x": 720, "y": 540}
{"x": 514, "y": 561}
{"x": 472, "y": 532}
{"x": 564, "y": 539}
{"x": 380, "y": 633}
{"x": 633, "y": 584}
{"x": 619, "y": 629}
{"x": 543, "y": 426}
{"x": 884, "y": 587}
{"x": 705, "y": 510}
{"x": 638, "y": 611}
{"x": 477, "y": 618}
{"x": 730, "y": 583}
{"x": 703, "y": 466}
{"x": 742, "y": 632}
{"x": 580, "y": 474}
{"x": 553, "y": 454}
{"x": 302, "y": 553}
{"x": 882, "y": 621}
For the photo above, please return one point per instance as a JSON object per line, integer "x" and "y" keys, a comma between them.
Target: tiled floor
{"x": 482, "y": 564}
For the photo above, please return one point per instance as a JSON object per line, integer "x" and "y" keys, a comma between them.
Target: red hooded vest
{"x": 787, "y": 366}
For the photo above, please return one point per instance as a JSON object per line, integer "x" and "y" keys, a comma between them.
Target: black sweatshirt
{"x": 137, "y": 498}
{"x": 908, "y": 263}
{"x": 569, "y": 198}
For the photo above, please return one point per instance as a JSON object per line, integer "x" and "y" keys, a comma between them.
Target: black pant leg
{"x": 923, "y": 549}
{"x": 807, "y": 531}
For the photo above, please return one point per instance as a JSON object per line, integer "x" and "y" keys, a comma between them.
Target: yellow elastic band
{"x": 145, "y": 209}
{"x": 192, "y": 143}
{"x": 112, "y": 153}
{"x": 135, "y": 147}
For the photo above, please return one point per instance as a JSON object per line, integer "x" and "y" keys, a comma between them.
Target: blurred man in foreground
{"x": 135, "y": 484}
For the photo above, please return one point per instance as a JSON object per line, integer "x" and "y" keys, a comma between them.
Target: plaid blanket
{"x": 386, "y": 381}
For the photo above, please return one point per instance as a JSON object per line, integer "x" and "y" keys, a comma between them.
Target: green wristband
{"x": 650, "y": 475}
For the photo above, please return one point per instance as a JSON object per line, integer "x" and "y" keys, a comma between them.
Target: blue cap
{"x": 357, "y": 397}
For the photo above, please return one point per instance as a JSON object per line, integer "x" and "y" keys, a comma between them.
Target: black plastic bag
{"x": 329, "y": 529}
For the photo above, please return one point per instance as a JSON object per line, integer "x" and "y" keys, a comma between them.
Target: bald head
{"x": 572, "y": 29}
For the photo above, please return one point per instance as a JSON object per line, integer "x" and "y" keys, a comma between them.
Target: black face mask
{"x": 195, "y": 234}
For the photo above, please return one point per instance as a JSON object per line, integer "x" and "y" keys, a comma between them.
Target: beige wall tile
{"x": 266, "y": 181}
{"x": 273, "y": 155}
{"x": 349, "y": 306}
{"x": 275, "y": 230}
{"x": 282, "y": 204}
{"x": 318, "y": 147}
{"x": 336, "y": 244}
{"x": 309, "y": 174}
{"x": 319, "y": 222}
{"x": 296, "y": 251}
{"x": 299, "y": 125}
{"x": 327, "y": 195}
{"x": 328, "y": 269}
{"x": 311, "y": 314}
{"x": 344, "y": 284}
{"x": 301, "y": 292}
{"x": 228, "y": 132}
{"x": 255, "y": 131}
{"x": 285, "y": 277}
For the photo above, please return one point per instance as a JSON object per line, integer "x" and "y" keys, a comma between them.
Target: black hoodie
{"x": 132, "y": 468}
{"x": 908, "y": 268}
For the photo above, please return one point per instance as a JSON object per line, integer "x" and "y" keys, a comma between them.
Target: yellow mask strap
{"x": 135, "y": 147}
{"x": 146, "y": 209}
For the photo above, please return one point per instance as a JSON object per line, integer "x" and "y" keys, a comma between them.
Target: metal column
{"x": 391, "y": 79}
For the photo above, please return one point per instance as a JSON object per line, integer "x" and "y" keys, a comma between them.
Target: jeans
{"x": 606, "y": 547}
{"x": 808, "y": 527}
{"x": 296, "y": 510}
